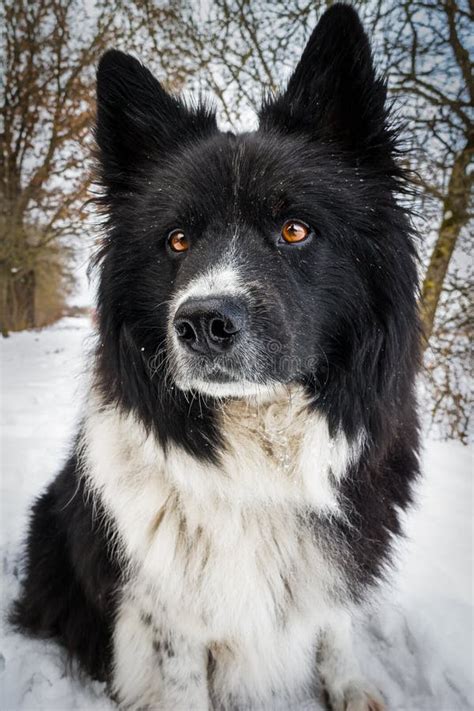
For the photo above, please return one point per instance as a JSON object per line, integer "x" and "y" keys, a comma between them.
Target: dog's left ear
{"x": 334, "y": 94}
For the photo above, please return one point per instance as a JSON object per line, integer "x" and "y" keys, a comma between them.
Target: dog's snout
{"x": 210, "y": 326}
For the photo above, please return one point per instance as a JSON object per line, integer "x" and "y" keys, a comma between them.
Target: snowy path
{"x": 417, "y": 647}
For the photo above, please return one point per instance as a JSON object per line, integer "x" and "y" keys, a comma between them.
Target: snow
{"x": 416, "y": 645}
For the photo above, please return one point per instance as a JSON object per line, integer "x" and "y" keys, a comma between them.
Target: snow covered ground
{"x": 417, "y": 646}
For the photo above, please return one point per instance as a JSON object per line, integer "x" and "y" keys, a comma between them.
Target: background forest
{"x": 233, "y": 50}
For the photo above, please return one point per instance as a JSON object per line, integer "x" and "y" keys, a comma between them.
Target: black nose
{"x": 211, "y": 325}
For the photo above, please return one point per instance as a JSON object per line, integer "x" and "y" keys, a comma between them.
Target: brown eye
{"x": 294, "y": 231}
{"x": 178, "y": 241}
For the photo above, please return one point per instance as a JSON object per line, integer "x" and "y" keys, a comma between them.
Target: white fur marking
{"x": 240, "y": 389}
{"x": 219, "y": 280}
{"x": 221, "y": 548}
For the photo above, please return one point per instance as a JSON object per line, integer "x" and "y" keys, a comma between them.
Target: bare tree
{"x": 426, "y": 45}
{"x": 50, "y": 48}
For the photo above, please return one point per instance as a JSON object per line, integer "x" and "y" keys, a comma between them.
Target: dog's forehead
{"x": 244, "y": 168}
{"x": 256, "y": 178}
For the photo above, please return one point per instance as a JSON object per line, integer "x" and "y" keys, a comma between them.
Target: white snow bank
{"x": 417, "y": 646}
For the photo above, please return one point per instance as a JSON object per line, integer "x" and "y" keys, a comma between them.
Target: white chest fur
{"x": 222, "y": 549}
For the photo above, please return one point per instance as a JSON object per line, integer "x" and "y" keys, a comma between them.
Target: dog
{"x": 249, "y": 435}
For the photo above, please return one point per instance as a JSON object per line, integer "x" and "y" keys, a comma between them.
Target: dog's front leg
{"x": 347, "y": 690}
{"x": 155, "y": 669}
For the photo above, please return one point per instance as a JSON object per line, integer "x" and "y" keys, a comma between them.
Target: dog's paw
{"x": 355, "y": 697}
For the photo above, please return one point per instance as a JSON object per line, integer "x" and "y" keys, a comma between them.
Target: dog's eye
{"x": 294, "y": 231}
{"x": 178, "y": 241}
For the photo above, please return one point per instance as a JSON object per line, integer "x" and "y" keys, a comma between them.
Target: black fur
{"x": 71, "y": 576}
{"x": 344, "y": 301}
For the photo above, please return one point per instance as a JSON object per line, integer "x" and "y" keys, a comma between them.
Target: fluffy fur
{"x": 231, "y": 501}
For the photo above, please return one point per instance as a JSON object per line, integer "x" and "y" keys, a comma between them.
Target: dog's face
{"x": 242, "y": 259}
{"x": 237, "y": 264}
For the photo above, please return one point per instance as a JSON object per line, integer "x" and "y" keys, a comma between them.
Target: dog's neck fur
{"x": 275, "y": 451}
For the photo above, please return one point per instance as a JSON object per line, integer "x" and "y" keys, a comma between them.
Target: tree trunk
{"x": 3, "y": 299}
{"x": 18, "y": 294}
{"x": 455, "y": 217}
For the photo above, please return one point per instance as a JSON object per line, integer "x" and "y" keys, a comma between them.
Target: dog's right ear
{"x": 138, "y": 122}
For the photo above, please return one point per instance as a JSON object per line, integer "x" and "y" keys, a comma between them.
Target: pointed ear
{"x": 138, "y": 122}
{"x": 334, "y": 94}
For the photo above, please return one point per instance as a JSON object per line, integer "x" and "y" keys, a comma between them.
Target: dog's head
{"x": 235, "y": 264}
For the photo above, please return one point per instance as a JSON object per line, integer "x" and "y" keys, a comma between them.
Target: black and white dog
{"x": 250, "y": 433}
